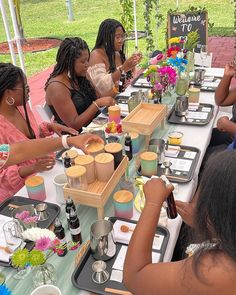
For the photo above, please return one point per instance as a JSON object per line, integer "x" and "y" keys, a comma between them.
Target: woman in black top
{"x": 69, "y": 94}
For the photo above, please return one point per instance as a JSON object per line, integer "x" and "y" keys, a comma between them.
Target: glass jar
{"x": 181, "y": 84}
{"x": 44, "y": 274}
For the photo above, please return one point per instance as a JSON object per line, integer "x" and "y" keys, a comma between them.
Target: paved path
{"x": 221, "y": 47}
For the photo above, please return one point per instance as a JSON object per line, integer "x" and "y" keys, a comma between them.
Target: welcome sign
{"x": 182, "y": 23}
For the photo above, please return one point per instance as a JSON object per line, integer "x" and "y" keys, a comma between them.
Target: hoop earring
{"x": 10, "y": 100}
{"x": 68, "y": 74}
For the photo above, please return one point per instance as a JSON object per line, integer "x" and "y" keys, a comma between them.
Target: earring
{"x": 10, "y": 100}
{"x": 68, "y": 74}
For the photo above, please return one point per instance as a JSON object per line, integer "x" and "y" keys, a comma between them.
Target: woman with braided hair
{"x": 107, "y": 61}
{"x": 69, "y": 94}
{"x": 17, "y": 123}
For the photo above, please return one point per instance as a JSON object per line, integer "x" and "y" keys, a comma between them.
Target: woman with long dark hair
{"x": 211, "y": 270}
{"x": 70, "y": 95}
{"x": 17, "y": 123}
{"x": 107, "y": 61}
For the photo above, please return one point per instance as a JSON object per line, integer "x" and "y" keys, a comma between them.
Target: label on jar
{"x": 75, "y": 231}
{"x": 127, "y": 148}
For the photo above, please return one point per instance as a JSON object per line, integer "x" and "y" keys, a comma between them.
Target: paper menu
{"x": 179, "y": 164}
{"x": 197, "y": 115}
{"x": 120, "y": 259}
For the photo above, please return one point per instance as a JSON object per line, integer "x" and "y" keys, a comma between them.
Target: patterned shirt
{"x": 4, "y": 154}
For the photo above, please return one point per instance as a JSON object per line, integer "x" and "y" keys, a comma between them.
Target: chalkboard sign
{"x": 182, "y": 23}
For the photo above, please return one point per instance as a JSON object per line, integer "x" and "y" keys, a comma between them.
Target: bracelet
{"x": 94, "y": 102}
{"x": 64, "y": 141}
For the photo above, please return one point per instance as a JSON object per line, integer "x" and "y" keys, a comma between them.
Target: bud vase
{"x": 44, "y": 274}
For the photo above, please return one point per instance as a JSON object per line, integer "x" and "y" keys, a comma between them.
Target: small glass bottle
{"x": 128, "y": 147}
{"x": 171, "y": 208}
{"x": 122, "y": 82}
{"x": 75, "y": 229}
{"x": 60, "y": 234}
{"x": 69, "y": 204}
{"x": 67, "y": 161}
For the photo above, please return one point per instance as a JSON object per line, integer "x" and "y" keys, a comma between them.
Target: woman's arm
{"x": 40, "y": 147}
{"x": 59, "y": 97}
{"x": 224, "y": 96}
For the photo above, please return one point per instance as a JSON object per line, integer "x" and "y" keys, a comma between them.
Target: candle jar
{"x": 123, "y": 204}
{"x": 116, "y": 150}
{"x": 114, "y": 114}
{"x": 87, "y": 161}
{"x": 135, "y": 142}
{"x": 149, "y": 163}
{"x": 76, "y": 176}
{"x": 104, "y": 164}
{"x": 95, "y": 148}
{"x": 35, "y": 187}
{"x": 194, "y": 94}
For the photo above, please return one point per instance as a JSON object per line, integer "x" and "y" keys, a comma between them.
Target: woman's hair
{"x": 69, "y": 50}
{"x": 215, "y": 215}
{"x": 10, "y": 75}
{"x": 106, "y": 38}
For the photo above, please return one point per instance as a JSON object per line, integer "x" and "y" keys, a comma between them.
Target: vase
{"x": 44, "y": 274}
{"x": 190, "y": 58}
{"x": 181, "y": 84}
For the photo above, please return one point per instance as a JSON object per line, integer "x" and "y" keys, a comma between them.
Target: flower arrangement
{"x": 4, "y": 290}
{"x": 26, "y": 217}
{"x": 160, "y": 77}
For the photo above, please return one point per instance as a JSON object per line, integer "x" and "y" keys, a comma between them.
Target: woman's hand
{"x": 222, "y": 123}
{"x": 130, "y": 63}
{"x": 230, "y": 70}
{"x": 105, "y": 101}
{"x": 156, "y": 191}
{"x": 186, "y": 211}
{"x": 82, "y": 140}
{"x": 58, "y": 129}
{"x": 44, "y": 164}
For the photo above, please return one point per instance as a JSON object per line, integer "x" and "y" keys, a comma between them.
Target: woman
{"x": 69, "y": 94}
{"x": 107, "y": 61}
{"x": 19, "y": 124}
{"x": 212, "y": 269}
{"x": 15, "y": 153}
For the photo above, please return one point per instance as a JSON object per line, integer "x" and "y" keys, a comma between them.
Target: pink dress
{"x": 10, "y": 180}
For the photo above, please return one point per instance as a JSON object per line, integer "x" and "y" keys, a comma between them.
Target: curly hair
{"x": 10, "y": 75}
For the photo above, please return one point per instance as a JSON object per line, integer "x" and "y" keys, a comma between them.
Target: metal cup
{"x": 157, "y": 145}
{"x": 42, "y": 211}
{"x": 199, "y": 75}
{"x": 100, "y": 275}
{"x": 181, "y": 106}
{"x": 102, "y": 244}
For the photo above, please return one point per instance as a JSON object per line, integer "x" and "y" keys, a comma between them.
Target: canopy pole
{"x": 135, "y": 26}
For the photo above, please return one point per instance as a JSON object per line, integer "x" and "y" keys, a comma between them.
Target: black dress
{"x": 81, "y": 98}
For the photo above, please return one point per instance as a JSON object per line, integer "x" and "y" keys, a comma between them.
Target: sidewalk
{"x": 221, "y": 47}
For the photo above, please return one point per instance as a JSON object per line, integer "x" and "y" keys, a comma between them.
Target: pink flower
{"x": 160, "y": 56}
{"x": 43, "y": 244}
{"x": 157, "y": 86}
{"x": 153, "y": 61}
{"x": 24, "y": 214}
{"x": 31, "y": 219}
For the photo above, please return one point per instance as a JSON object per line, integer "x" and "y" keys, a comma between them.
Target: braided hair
{"x": 10, "y": 75}
{"x": 106, "y": 38}
{"x": 69, "y": 50}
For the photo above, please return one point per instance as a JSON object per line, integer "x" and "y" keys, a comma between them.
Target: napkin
{"x": 4, "y": 256}
{"x": 124, "y": 237}
{"x": 172, "y": 151}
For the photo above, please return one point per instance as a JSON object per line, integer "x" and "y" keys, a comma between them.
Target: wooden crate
{"x": 98, "y": 192}
{"x": 145, "y": 118}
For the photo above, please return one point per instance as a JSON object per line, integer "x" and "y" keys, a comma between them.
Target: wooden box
{"x": 145, "y": 118}
{"x": 98, "y": 192}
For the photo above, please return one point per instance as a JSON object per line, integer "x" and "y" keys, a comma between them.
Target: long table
{"x": 198, "y": 137}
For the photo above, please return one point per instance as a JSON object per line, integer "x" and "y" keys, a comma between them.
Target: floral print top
{"x": 4, "y": 154}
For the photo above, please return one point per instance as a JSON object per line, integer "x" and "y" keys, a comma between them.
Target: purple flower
{"x": 24, "y": 214}
{"x": 43, "y": 244}
{"x": 31, "y": 219}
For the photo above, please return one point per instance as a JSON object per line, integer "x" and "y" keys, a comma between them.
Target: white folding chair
{"x": 198, "y": 60}
{"x": 45, "y": 112}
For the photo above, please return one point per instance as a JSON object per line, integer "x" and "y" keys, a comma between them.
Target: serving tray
{"x": 53, "y": 211}
{"x": 187, "y": 157}
{"x": 82, "y": 275}
{"x": 199, "y": 117}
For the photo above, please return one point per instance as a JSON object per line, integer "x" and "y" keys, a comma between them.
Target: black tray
{"x": 136, "y": 82}
{"x": 213, "y": 80}
{"x": 82, "y": 275}
{"x": 172, "y": 118}
{"x": 53, "y": 211}
{"x": 183, "y": 177}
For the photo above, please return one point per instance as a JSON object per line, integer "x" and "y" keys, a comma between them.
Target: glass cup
{"x": 175, "y": 137}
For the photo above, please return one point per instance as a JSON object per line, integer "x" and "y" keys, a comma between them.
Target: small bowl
{"x": 175, "y": 137}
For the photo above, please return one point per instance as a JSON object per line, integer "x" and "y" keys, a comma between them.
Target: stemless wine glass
{"x": 203, "y": 54}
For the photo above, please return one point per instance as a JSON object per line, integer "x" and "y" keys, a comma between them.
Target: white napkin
{"x": 172, "y": 151}
{"x": 124, "y": 237}
{"x": 4, "y": 256}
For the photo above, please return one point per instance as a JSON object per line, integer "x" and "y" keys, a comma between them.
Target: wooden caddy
{"x": 145, "y": 118}
{"x": 98, "y": 192}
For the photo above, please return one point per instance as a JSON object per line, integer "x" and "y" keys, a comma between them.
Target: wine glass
{"x": 203, "y": 54}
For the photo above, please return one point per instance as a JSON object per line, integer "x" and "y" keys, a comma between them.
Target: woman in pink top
{"x": 17, "y": 123}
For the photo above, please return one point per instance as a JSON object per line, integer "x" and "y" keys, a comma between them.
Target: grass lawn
{"x": 48, "y": 18}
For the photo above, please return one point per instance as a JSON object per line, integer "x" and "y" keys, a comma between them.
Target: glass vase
{"x": 181, "y": 84}
{"x": 44, "y": 274}
{"x": 190, "y": 58}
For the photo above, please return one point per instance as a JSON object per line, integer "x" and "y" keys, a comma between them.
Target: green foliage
{"x": 127, "y": 18}
{"x": 192, "y": 40}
